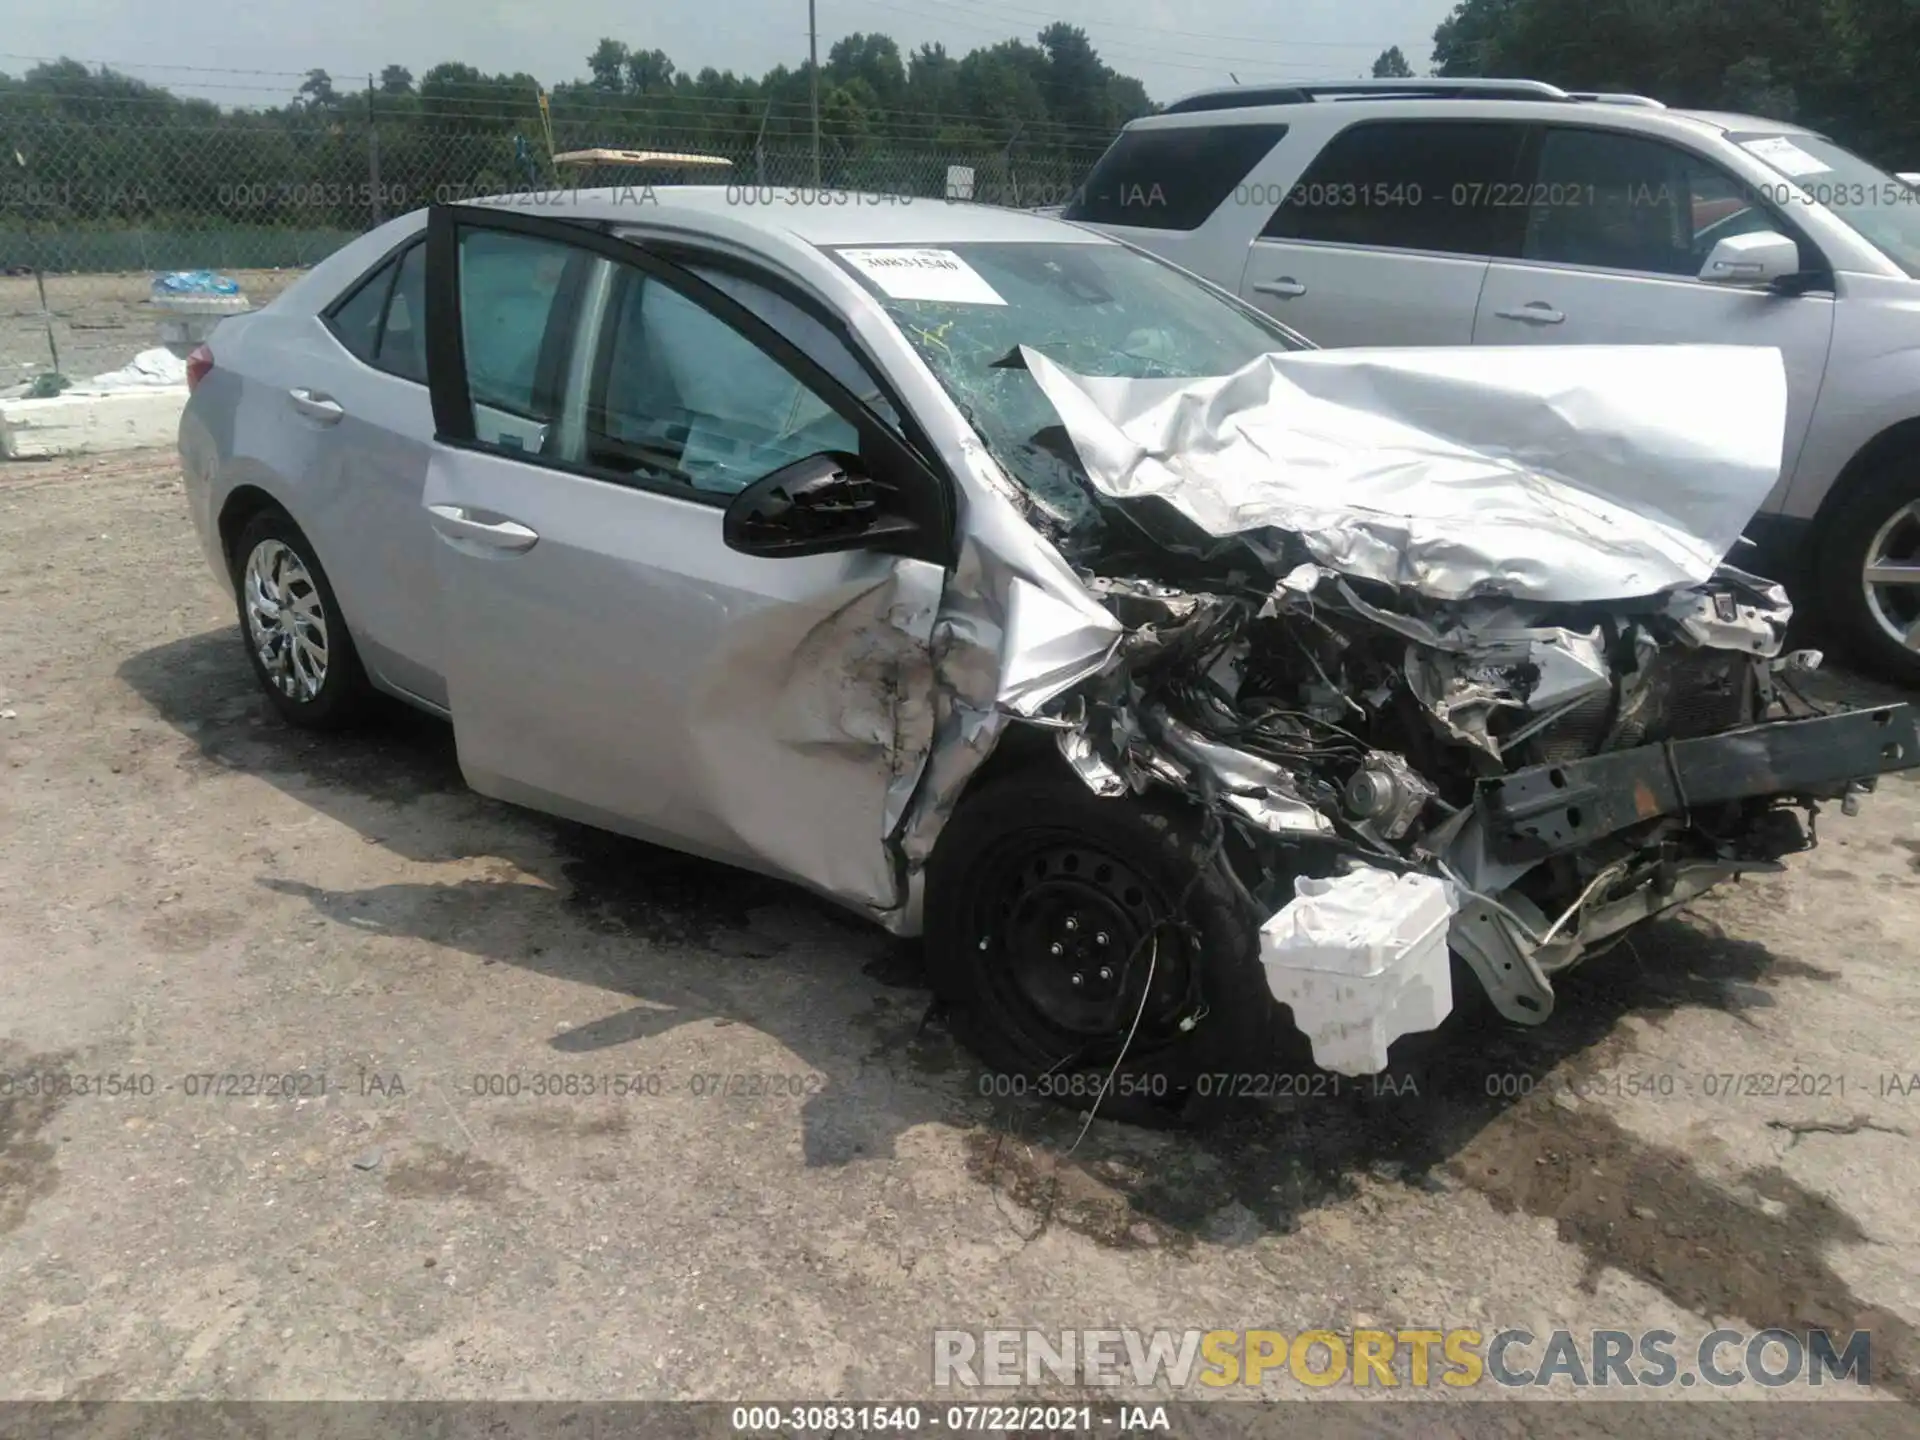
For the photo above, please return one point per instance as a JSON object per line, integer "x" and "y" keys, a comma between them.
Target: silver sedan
{"x": 1013, "y": 587}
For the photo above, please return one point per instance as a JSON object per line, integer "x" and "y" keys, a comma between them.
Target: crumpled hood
{"x": 1557, "y": 473}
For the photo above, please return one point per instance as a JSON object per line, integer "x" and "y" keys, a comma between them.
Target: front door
{"x": 1618, "y": 231}
{"x": 609, "y": 658}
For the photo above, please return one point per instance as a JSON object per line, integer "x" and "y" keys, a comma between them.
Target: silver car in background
{"x": 799, "y": 536}
{"x": 1506, "y": 212}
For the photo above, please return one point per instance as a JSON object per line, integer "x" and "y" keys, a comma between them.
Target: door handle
{"x": 1286, "y": 287}
{"x": 1534, "y": 312}
{"x": 456, "y": 523}
{"x": 316, "y": 406}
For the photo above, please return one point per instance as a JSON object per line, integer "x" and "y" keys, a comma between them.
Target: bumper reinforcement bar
{"x": 1548, "y": 809}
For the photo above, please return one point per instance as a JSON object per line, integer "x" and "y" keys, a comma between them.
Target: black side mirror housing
{"x": 816, "y": 506}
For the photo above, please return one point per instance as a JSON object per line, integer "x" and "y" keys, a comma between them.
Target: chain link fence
{"x": 91, "y": 211}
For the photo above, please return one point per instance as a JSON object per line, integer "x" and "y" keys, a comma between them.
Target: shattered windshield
{"x": 1094, "y": 308}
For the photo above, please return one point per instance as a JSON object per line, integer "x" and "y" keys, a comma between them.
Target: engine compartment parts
{"x": 1563, "y": 771}
{"x": 1361, "y": 959}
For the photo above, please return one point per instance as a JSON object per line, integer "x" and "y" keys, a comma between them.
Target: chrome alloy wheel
{"x": 286, "y": 623}
{"x": 1891, "y": 577}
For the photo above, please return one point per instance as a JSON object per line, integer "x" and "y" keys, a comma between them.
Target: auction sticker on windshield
{"x": 918, "y": 274}
{"x": 1787, "y": 157}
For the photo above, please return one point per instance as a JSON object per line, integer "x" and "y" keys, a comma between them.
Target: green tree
{"x": 649, "y": 72}
{"x": 608, "y": 64}
{"x": 1390, "y": 64}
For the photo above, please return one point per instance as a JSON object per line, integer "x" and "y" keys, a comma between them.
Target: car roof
{"x": 1725, "y": 120}
{"x": 817, "y": 217}
{"x": 1476, "y": 99}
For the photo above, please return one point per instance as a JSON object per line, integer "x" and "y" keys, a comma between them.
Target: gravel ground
{"x": 188, "y": 888}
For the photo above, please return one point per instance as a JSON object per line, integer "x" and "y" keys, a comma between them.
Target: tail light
{"x": 198, "y": 364}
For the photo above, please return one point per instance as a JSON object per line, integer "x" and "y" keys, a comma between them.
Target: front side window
{"x": 1624, "y": 202}
{"x": 516, "y": 292}
{"x": 1098, "y": 309}
{"x": 1438, "y": 185}
{"x": 678, "y": 396}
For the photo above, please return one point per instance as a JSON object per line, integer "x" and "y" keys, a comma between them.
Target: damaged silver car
{"x": 1178, "y": 682}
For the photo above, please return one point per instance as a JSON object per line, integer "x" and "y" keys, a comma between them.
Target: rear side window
{"x": 1170, "y": 179}
{"x": 1445, "y": 185}
{"x": 403, "y": 338}
{"x": 356, "y": 319}
{"x": 382, "y": 320}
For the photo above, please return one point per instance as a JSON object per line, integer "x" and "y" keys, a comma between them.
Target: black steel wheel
{"x": 1090, "y": 949}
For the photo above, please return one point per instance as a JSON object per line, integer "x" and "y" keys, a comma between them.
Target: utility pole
{"x": 373, "y": 160}
{"x": 813, "y": 74}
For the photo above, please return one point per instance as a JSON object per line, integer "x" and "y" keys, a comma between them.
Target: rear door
{"x": 364, "y": 405}
{"x": 1386, "y": 236}
{"x": 1617, "y": 229}
{"x": 609, "y": 658}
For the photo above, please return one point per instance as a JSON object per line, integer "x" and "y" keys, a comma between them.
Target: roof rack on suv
{"x": 1610, "y": 97}
{"x": 1235, "y": 97}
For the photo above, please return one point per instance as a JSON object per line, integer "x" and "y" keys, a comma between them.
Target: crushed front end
{"x": 1562, "y": 771}
{"x": 1409, "y": 725}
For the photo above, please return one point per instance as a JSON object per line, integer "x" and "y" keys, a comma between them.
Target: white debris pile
{"x": 158, "y": 366}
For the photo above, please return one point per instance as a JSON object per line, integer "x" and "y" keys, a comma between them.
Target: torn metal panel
{"x": 1567, "y": 474}
{"x": 1050, "y": 644}
{"x": 1751, "y": 614}
{"x": 809, "y": 708}
{"x": 1077, "y": 749}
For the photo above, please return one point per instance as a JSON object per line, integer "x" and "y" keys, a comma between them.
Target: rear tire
{"x": 1037, "y": 881}
{"x": 290, "y": 623}
{"x": 1879, "y": 521}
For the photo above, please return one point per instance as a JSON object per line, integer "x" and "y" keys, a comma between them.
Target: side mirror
{"x": 1759, "y": 257}
{"x": 815, "y": 506}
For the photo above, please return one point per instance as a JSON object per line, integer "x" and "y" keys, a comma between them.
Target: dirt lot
{"x": 189, "y": 889}
{"x": 100, "y": 322}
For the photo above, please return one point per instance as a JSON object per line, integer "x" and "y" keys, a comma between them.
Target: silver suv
{"x": 1501, "y": 212}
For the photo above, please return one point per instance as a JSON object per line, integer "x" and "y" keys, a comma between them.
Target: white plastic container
{"x": 1362, "y": 960}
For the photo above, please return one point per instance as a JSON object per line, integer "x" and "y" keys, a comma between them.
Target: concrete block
{"x": 78, "y": 423}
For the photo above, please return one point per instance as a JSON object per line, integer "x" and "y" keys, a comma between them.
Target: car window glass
{"x": 1170, "y": 179}
{"x": 806, "y": 332}
{"x": 1443, "y": 185}
{"x": 403, "y": 347}
{"x": 357, "y": 321}
{"x": 510, "y": 289}
{"x": 1098, "y": 309}
{"x": 1812, "y": 170}
{"x": 1624, "y": 202}
{"x": 681, "y": 396}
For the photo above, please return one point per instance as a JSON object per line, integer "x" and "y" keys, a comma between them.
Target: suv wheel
{"x": 290, "y": 623}
{"x": 1066, "y": 933}
{"x": 1869, "y": 570}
